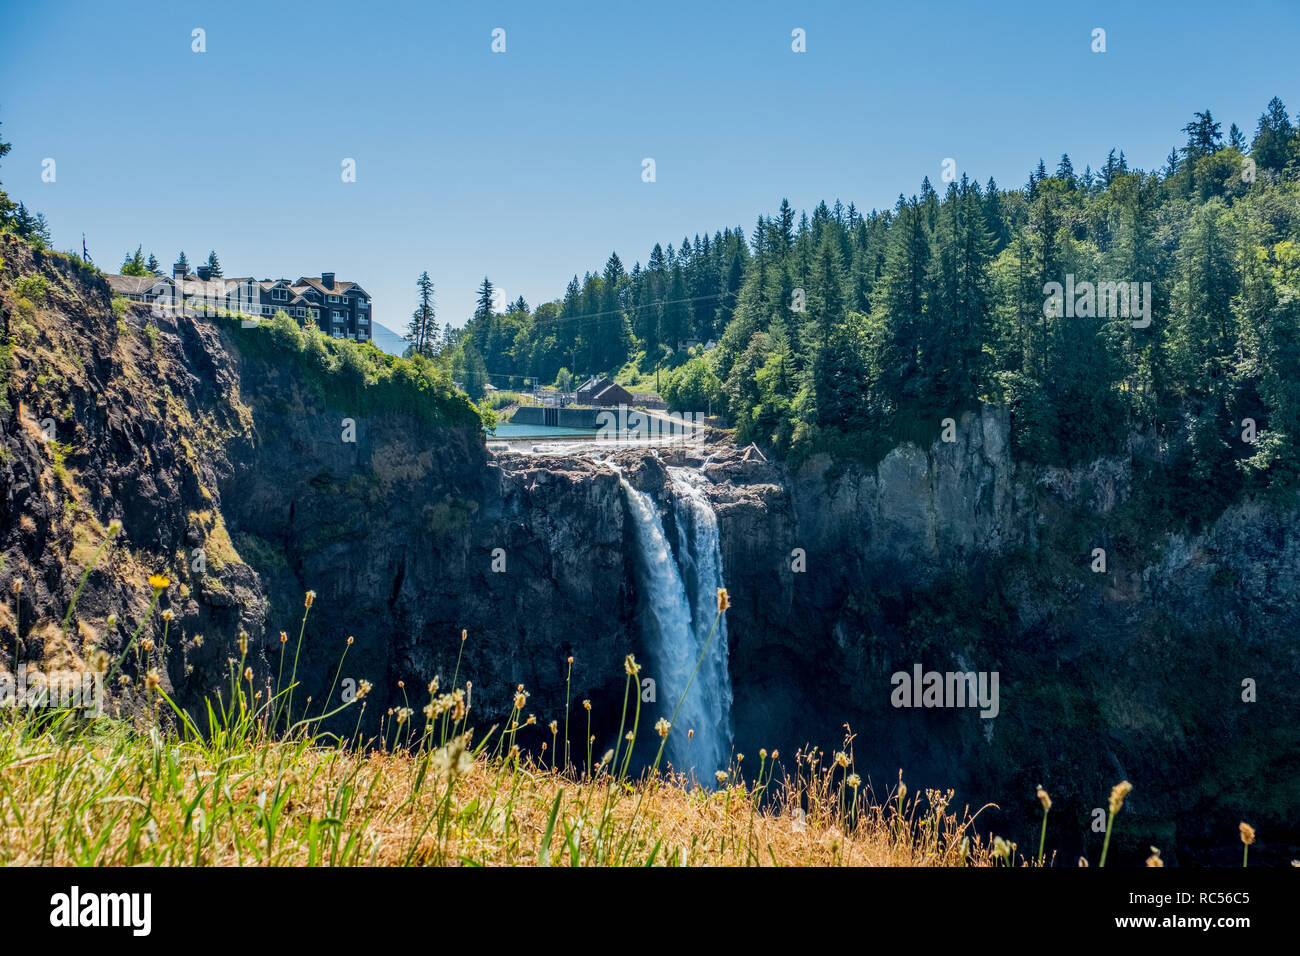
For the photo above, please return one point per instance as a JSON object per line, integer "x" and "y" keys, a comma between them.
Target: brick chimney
{"x": 327, "y": 279}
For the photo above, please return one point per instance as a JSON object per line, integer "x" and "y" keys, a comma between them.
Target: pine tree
{"x": 826, "y": 295}
{"x": 153, "y": 265}
{"x": 40, "y": 234}
{"x": 486, "y": 293}
{"x": 1111, "y": 169}
{"x": 675, "y": 314}
{"x": 184, "y": 263}
{"x": 994, "y": 218}
{"x": 1272, "y": 146}
{"x": 960, "y": 313}
{"x": 1065, "y": 171}
{"x": 1204, "y": 136}
{"x": 133, "y": 264}
{"x": 214, "y": 265}
{"x": 24, "y": 223}
{"x": 784, "y": 226}
{"x": 903, "y": 314}
{"x": 423, "y": 330}
{"x": 840, "y": 378}
{"x": 475, "y": 373}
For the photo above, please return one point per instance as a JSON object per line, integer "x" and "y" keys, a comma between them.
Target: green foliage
{"x": 6, "y": 371}
{"x": 693, "y": 387}
{"x": 849, "y": 333}
{"x": 423, "y": 331}
{"x": 35, "y": 287}
{"x": 133, "y": 264}
{"x": 260, "y": 553}
{"x": 356, "y": 376}
{"x": 495, "y": 400}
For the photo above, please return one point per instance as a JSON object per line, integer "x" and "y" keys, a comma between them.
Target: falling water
{"x": 681, "y": 594}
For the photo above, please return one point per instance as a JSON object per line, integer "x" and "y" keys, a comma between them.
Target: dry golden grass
{"x": 262, "y": 784}
{"x": 107, "y": 794}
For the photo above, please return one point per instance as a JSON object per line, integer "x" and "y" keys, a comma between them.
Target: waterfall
{"x": 680, "y": 592}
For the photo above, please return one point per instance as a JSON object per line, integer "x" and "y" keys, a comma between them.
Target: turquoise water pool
{"x": 508, "y": 431}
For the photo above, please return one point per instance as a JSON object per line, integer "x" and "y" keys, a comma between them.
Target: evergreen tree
{"x": 826, "y": 296}
{"x": 422, "y": 333}
{"x": 902, "y": 317}
{"x": 961, "y": 308}
{"x": 1065, "y": 171}
{"x": 214, "y": 265}
{"x": 1204, "y": 136}
{"x": 1273, "y": 143}
{"x": 840, "y": 378}
{"x": 784, "y": 226}
{"x": 133, "y": 264}
{"x": 484, "y": 306}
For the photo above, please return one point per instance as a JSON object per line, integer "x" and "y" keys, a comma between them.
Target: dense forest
{"x": 845, "y": 331}
{"x": 1099, "y": 306}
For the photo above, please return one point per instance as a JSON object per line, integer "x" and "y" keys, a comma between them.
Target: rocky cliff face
{"x": 1170, "y": 667}
{"x": 248, "y": 486}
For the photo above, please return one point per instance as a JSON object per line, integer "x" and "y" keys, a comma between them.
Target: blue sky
{"x": 526, "y": 166}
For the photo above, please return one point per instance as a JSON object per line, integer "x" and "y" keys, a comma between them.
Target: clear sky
{"x": 526, "y": 165}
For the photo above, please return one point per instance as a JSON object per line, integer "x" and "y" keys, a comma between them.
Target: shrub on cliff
{"x": 357, "y": 376}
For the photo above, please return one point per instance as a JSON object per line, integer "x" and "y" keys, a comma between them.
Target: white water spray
{"x": 681, "y": 594}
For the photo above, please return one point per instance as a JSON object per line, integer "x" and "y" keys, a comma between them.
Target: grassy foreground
{"x": 262, "y": 784}
{"x": 256, "y": 780}
{"x": 107, "y": 794}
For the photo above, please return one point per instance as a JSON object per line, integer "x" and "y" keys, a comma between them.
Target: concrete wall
{"x": 568, "y": 417}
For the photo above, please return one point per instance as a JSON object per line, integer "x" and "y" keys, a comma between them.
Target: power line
{"x": 660, "y": 304}
{"x": 557, "y": 320}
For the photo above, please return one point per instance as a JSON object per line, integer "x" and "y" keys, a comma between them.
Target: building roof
{"x": 131, "y": 285}
{"x": 340, "y": 287}
{"x": 219, "y": 288}
{"x": 613, "y": 395}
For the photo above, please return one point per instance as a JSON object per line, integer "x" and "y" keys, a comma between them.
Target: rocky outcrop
{"x": 1151, "y": 667}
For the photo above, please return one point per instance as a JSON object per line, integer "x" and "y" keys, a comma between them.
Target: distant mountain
{"x": 387, "y": 340}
